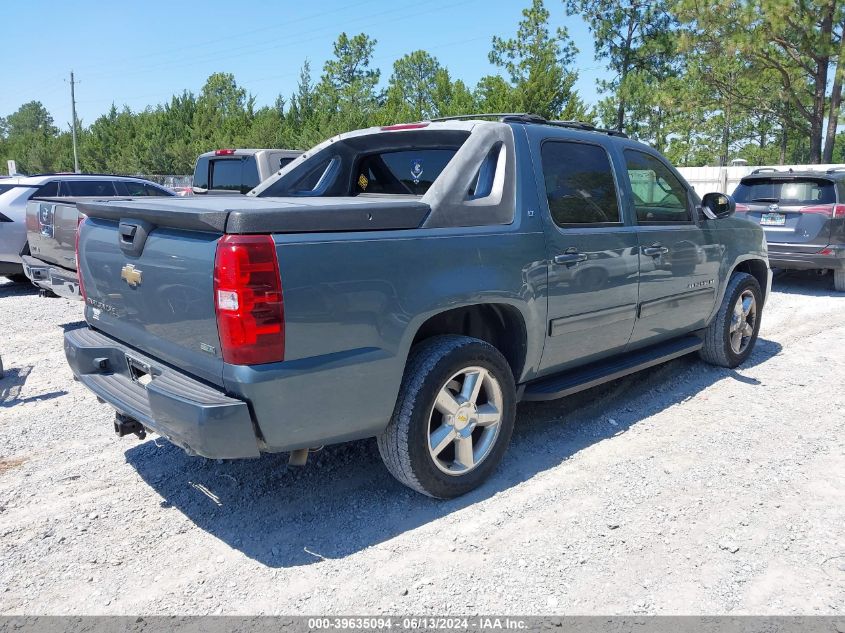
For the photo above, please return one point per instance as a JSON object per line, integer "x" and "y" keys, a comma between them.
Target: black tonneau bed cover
{"x": 267, "y": 215}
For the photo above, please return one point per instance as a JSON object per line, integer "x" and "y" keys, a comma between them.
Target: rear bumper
{"x": 808, "y": 261}
{"x": 193, "y": 415}
{"x": 62, "y": 281}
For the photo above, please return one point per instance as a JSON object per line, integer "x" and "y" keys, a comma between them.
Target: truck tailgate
{"x": 159, "y": 300}
{"x": 51, "y": 231}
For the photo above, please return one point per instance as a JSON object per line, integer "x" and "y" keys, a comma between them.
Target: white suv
{"x": 17, "y": 190}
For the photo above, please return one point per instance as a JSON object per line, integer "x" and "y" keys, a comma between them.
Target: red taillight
{"x": 79, "y": 226}
{"x": 248, "y": 300}
{"x": 224, "y": 152}
{"x": 839, "y": 211}
{"x": 829, "y": 210}
{"x": 741, "y": 208}
{"x": 403, "y": 126}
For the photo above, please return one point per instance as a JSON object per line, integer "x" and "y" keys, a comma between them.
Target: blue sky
{"x": 140, "y": 53}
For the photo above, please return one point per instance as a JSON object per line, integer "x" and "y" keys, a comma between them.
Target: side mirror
{"x": 717, "y": 205}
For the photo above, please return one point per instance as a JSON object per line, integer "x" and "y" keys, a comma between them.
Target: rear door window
{"x": 155, "y": 191}
{"x": 88, "y": 188}
{"x": 798, "y": 192}
{"x": 659, "y": 197}
{"x": 48, "y": 190}
{"x": 132, "y": 188}
{"x": 580, "y": 187}
{"x": 401, "y": 172}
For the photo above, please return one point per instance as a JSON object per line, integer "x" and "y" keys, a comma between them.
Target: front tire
{"x": 732, "y": 334}
{"x": 453, "y": 419}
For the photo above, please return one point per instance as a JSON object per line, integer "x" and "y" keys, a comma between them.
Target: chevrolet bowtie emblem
{"x": 131, "y": 275}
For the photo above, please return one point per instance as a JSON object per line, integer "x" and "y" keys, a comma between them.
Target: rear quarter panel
{"x": 353, "y": 304}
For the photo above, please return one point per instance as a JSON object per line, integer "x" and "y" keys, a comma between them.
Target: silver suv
{"x": 803, "y": 216}
{"x": 16, "y": 191}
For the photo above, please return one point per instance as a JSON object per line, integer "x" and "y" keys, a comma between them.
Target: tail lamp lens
{"x": 248, "y": 300}
{"x": 830, "y": 210}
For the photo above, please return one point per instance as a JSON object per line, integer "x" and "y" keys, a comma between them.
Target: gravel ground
{"x": 685, "y": 489}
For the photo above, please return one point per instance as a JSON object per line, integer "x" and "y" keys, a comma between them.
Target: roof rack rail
{"x": 580, "y": 125}
{"x": 71, "y": 173}
{"x": 761, "y": 170}
{"x": 483, "y": 115}
{"x": 834, "y": 170}
{"x": 527, "y": 117}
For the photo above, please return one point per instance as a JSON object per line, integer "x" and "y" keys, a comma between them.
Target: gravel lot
{"x": 685, "y": 489}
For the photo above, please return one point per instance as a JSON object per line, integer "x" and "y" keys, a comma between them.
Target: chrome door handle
{"x": 655, "y": 250}
{"x": 570, "y": 258}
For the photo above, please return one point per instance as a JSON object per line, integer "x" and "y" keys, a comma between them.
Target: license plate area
{"x": 773, "y": 219}
{"x": 139, "y": 371}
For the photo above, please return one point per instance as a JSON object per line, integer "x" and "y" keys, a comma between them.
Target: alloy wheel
{"x": 743, "y": 320}
{"x": 464, "y": 421}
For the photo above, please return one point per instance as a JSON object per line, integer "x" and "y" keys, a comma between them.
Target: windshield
{"x": 786, "y": 192}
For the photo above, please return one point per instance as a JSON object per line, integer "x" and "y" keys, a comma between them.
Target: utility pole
{"x": 73, "y": 125}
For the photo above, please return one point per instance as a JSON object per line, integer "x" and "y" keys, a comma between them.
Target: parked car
{"x": 51, "y": 225}
{"x": 15, "y": 192}
{"x": 236, "y": 171}
{"x": 409, "y": 282}
{"x": 803, "y": 216}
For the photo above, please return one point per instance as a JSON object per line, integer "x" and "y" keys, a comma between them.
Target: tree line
{"x": 702, "y": 82}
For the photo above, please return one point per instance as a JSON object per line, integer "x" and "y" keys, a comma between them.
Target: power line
{"x": 397, "y": 14}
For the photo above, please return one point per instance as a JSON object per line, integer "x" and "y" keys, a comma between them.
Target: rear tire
{"x": 19, "y": 278}
{"x": 453, "y": 419}
{"x": 839, "y": 280}
{"x": 732, "y": 334}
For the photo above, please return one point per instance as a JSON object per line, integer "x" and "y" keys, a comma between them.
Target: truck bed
{"x": 224, "y": 214}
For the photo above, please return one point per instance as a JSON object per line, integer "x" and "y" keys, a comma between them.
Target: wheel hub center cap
{"x": 464, "y": 417}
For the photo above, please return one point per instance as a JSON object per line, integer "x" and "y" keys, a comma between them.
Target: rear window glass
{"x": 88, "y": 188}
{"x": 401, "y": 172}
{"x": 226, "y": 175}
{"x": 284, "y": 161}
{"x": 786, "y": 192}
{"x": 5, "y": 188}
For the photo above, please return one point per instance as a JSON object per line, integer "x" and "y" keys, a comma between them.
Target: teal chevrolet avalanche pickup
{"x": 412, "y": 283}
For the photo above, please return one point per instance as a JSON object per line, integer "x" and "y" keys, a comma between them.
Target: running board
{"x": 594, "y": 374}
